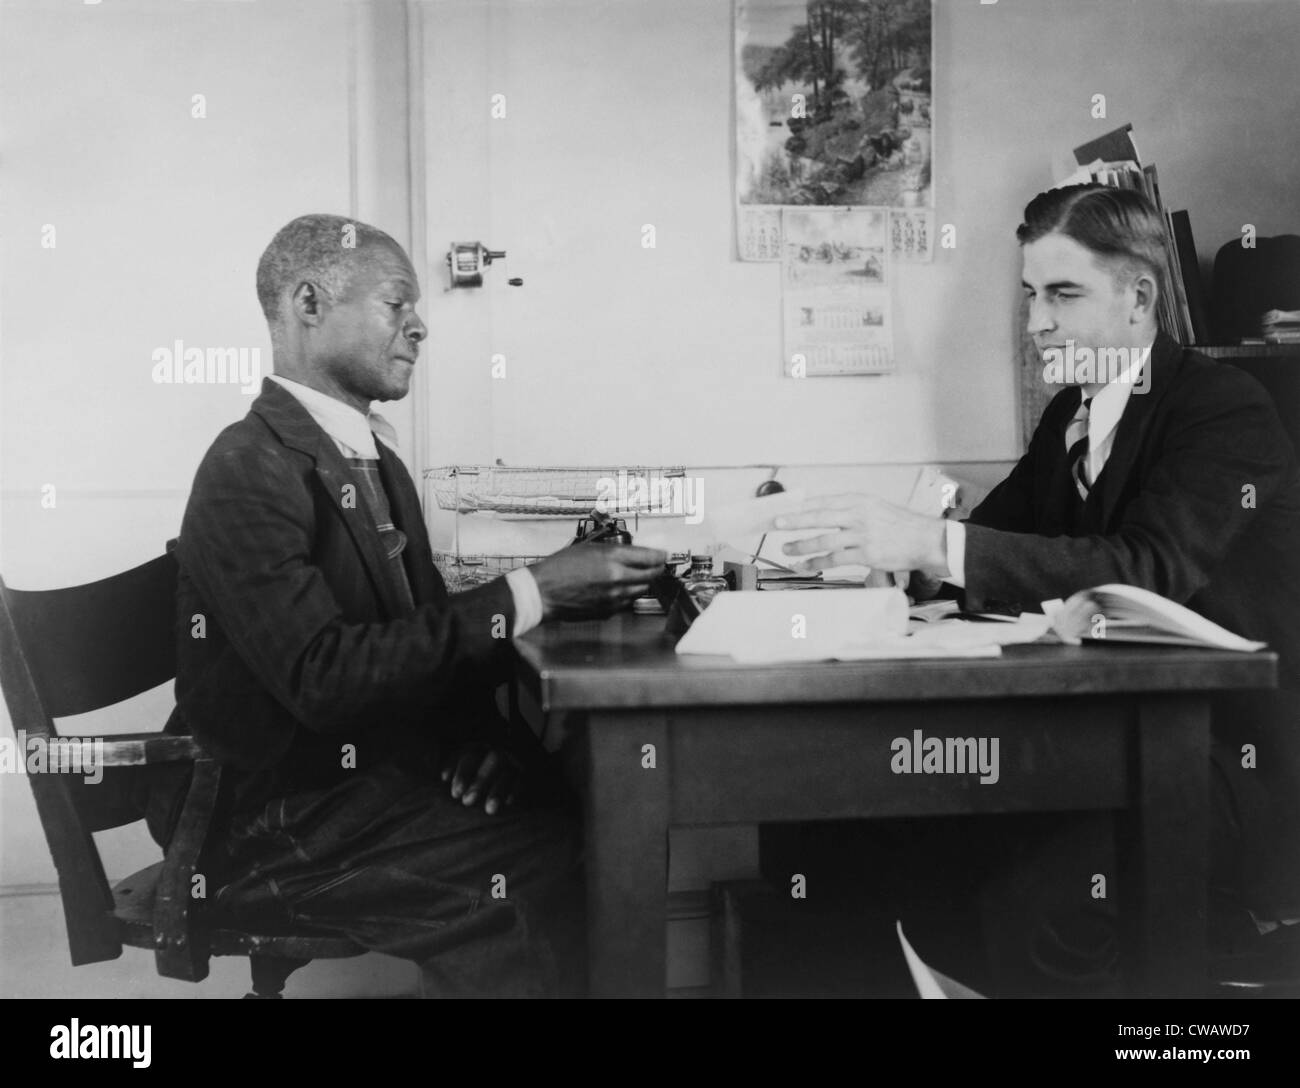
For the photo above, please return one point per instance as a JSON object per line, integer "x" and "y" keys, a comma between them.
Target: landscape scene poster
{"x": 833, "y": 108}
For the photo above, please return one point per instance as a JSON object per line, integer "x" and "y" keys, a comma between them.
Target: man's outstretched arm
{"x": 1221, "y": 461}
{"x": 1223, "y": 458}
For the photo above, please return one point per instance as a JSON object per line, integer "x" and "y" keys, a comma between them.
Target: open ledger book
{"x": 1119, "y": 613}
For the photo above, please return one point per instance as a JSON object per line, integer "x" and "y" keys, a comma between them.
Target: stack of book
{"x": 1113, "y": 160}
{"x": 1280, "y": 327}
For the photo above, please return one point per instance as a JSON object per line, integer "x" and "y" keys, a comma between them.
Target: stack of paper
{"x": 840, "y": 625}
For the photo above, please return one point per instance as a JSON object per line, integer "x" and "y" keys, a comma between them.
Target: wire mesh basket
{"x": 558, "y": 491}
{"x": 462, "y": 572}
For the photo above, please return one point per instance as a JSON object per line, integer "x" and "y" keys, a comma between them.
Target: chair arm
{"x": 130, "y": 749}
{"x": 180, "y": 952}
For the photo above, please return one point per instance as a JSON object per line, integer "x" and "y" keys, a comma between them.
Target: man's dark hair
{"x": 1119, "y": 225}
{"x": 319, "y": 249}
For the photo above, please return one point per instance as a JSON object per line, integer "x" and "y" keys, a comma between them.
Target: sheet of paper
{"x": 934, "y": 493}
{"x": 959, "y": 634}
{"x": 931, "y": 984}
{"x": 797, "y": 626}
{"x": 738, "y": 529}
{"x": 741, "y": 523}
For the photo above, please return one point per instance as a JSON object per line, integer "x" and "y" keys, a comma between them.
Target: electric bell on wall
{"x": 467, "y": 260}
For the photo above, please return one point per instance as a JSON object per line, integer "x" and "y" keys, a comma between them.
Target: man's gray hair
{"x": 319, "y": 249}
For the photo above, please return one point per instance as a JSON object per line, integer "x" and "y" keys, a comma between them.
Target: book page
{"x": 1132, "y": 614}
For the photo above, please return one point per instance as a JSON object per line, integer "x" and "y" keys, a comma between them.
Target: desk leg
{"x": 627, "y": 813}
{"x": 1164, "y": 844}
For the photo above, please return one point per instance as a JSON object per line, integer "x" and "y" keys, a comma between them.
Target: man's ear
{"x": 1145, "y": 297}
{"x": 306, "y": 304}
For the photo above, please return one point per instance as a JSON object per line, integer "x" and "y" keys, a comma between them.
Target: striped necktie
{"x": 1076, "y": 444}
{"x": 367, "y": 470}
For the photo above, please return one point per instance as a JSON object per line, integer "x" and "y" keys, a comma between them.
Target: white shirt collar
{"x": 353, "y": 432}
{"x": 1110, "y": 401}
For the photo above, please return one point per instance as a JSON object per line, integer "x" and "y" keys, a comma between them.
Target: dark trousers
{"x": 489, "y": 906}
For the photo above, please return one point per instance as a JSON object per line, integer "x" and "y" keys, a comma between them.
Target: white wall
{"x": 160, "y": 220}
{"x": 619, "y": 114}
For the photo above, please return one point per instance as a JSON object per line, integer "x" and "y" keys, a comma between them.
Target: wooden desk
{"x": 1090, "y": 727}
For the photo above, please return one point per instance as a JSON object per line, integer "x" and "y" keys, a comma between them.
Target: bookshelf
{"x": 1276, "y": 367}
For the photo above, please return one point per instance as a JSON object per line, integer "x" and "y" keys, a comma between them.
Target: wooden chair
{"x": 69, "y": 651}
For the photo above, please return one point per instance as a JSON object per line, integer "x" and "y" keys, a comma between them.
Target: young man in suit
{"x": 1171, "y": 472}
{"x": 369, "y": 777}
{"x": 1178, "y": 478}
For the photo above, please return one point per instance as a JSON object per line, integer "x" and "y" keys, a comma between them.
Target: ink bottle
{"x": 701, "y": 583}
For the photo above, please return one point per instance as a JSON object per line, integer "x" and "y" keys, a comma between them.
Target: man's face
{"x": 1074, "y": 296}
{"x": 366, "y": 343}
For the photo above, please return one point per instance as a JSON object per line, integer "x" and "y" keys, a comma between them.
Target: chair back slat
{"x": 93, "y": 645}
{"x": 83, "y": 888}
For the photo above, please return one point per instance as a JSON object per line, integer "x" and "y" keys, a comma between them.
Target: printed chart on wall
{"x": 835, "y": 288}
{"x": 833, "y": 109}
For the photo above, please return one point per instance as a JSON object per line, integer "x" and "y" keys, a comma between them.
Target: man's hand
{"x": 478, "y": 772}
{"x": 586, "y": 581}
{"x": 870, "y": 531}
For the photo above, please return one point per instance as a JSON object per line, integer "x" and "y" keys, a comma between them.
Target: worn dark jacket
{"x": 1199, "y": 501}
{"x": 292, "y": 640}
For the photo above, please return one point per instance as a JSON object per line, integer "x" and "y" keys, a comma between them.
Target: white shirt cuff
{"x": 956, "y": 532}
{"x": 528, "y": 600}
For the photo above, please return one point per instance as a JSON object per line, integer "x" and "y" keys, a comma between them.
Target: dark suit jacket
{"x": 307, "y": 646}
{"x": 1167, "y": 512}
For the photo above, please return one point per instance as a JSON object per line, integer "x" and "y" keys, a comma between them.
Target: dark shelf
{"x": 1248, "y": 351}
{"x": 1277, "y": 368}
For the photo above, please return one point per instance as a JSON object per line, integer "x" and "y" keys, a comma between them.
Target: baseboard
{"x": 13, "y": 891}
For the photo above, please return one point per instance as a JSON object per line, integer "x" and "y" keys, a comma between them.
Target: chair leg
{"x": 270, "y": 974}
